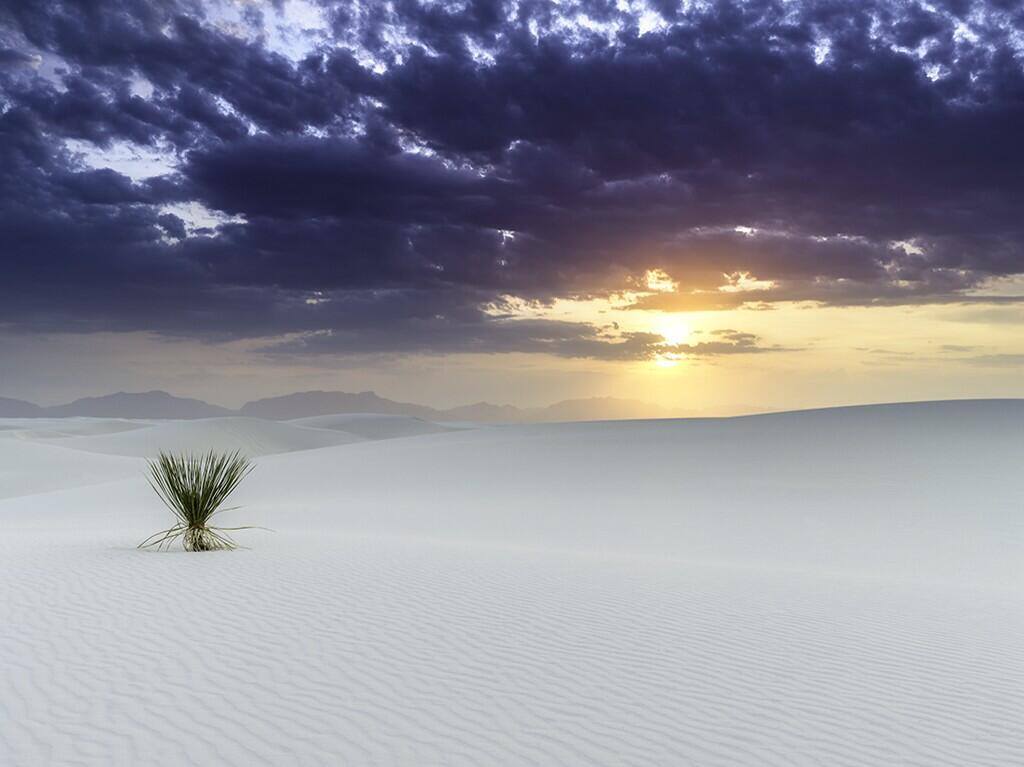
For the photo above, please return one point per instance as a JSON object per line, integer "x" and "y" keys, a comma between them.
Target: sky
{"x": 715, "y": 207}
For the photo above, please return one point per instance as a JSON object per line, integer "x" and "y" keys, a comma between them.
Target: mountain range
{"x": 160, "y": 404}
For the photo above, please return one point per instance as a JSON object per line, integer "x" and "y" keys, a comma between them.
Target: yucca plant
{"x": 193, "y": 487}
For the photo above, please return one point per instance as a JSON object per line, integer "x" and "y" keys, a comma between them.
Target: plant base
{"x": 192, "y": 539}
{"x": 205, "y": 539}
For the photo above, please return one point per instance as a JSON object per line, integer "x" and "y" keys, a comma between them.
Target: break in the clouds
{"x": 386, "y": 177}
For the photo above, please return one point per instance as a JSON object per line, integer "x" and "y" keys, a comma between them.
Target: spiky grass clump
{"x": 193, "y": 487}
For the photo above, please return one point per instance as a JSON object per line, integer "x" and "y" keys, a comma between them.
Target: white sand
{"x": 253, "y": 436}
{"x": 803, "y": 589}
{"x": 55, "y": 428}
{"x": 27, "y": 468}
{"x": 373, "y": 425}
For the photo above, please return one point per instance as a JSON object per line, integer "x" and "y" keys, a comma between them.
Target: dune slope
{"x": 56, "y": 428}
{"x": 372, "y": 425}
{"x": 28, "y": 468}
{"x": 786, "y": 590}
{"x": 252, "y": 436}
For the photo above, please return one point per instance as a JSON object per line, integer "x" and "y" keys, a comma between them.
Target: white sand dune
{"x": 800, "y": 589}
{"x": 373, "y": 425}
{"x": 56, "y": 428}
{"x": 27, "y": 468}
{"x": 252, "y": 436}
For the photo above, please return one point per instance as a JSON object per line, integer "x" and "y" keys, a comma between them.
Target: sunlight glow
{"x": 658, "y": 281}
{"x": 673, "y": 328}
{"x": 744, "y": 282}
{"x": 667, "y": 360}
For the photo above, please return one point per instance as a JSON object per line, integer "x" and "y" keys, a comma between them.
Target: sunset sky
{"x": 714, "y": 207}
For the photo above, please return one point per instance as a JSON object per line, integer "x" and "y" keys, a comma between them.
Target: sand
{"x": 373, "y": 425}
{"x": 252, "y": 436}
{"x": 821, "y": 588}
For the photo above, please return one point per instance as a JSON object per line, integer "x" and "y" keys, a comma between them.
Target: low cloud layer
{"x": 361, "y": 177}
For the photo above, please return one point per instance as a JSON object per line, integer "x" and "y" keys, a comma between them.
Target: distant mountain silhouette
{"x": 598, "y": 409}
{"x": 310, "y": 403}
{"x": 484, "y": 412}
{"x": 150, "y": 404}
{"x": 994, "y": 414}
{"x": 590, "y": 409}
{"x": 16, "y": 408}
{"x": 160, "y": 404}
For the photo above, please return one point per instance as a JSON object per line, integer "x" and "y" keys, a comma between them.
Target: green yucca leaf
{"x": 194, "y": 487}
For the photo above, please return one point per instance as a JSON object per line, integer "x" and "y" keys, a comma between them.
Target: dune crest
{"x": 252, "y": 436}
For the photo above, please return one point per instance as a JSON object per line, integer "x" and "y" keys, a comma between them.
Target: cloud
{"x": 403, "y": 323}
{"x": 996, "y": 360}
{"x": 415, "y": 162}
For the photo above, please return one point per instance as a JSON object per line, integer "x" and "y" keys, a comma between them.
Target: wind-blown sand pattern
{"x": 802, "y": 589}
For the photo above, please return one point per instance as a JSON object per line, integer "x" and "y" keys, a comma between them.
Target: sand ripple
{"x": 387, "y": 652}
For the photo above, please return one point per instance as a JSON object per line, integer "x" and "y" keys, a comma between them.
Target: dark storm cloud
{"x": 12, "y": 58}
{"x": 383, "y": 187}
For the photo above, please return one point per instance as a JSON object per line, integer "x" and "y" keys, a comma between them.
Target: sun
{"x": 673, "y": 328}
